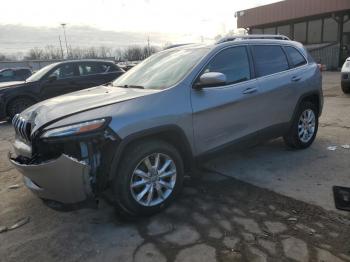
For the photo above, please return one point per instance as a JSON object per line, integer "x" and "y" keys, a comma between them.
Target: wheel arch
{"x": 14, "y": 97}
{"x": 172, "y": 134}
{"x": 313, "y": 97}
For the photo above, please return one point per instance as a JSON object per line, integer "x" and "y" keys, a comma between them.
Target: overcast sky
{"x": 200, "y": 17}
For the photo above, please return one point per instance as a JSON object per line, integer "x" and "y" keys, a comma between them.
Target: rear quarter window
{"x": 269, "y": 59}
{"x": 296, "y": 58}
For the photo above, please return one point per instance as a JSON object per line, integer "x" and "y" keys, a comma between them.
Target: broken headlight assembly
{"x": 76, "y": 129}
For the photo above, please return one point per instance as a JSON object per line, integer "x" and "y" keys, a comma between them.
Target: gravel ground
{"x": 217, "y": 218}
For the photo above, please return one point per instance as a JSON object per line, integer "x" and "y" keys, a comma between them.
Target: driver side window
{"x": 233, "y": 63}
{"x": 64, "y": 71}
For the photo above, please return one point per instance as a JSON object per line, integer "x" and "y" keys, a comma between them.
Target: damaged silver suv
{"x": 140, "y": 135}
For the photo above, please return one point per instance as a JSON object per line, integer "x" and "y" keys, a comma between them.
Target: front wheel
{"x": 304, "y": 127}
{"x": 17, "y": 105}
{"x": 150, "y": 176}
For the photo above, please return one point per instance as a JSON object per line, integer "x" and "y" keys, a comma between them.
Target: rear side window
{"x": 233, "y": 63}
{"x": 113, "y": 68}
{"x": 23, "y": 72}
{"x": 7, "y": 73}
{"x": 93, "y": 68}
{"x": 295, "y": 57}
{"x": 269, "y": 59}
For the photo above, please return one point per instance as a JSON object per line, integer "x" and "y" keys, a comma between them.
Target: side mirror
{"x": 52, "y": 78}
{"x": 211, "y": 79}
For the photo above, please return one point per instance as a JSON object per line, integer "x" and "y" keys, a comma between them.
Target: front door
{"x": 222, "y": 114}
{"x": 63, "y": 79}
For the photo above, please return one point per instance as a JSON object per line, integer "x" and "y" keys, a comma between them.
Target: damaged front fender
{"x": 64, "y": 179}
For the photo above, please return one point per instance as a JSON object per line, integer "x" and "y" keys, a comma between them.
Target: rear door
{"x": 96, "y": 73}
{"x": 275, "y": 85}
{"x": 66, "y": 81}
{"x": 222, "y": 114}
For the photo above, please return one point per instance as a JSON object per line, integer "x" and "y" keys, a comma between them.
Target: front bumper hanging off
{"x": 64, "y": 179}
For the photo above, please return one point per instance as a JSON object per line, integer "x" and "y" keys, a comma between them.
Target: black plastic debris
{"x": 342, "y": 197}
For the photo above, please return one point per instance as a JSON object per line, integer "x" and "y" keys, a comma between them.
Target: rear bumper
{"x": 64, "y": 179}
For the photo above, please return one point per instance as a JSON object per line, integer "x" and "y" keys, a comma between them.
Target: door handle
{"x": 296, "y": 78}
{"x": 250, "y": 90}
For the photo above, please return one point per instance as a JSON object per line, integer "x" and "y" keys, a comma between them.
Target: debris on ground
{"x": 332, "y": 148}
{"x": 292, "y": 219}
{"x": 14, "y": 186}
{"x": 346, "y": 146}
{"x": 19, "y": 223}
{"x": 3, "y": 229}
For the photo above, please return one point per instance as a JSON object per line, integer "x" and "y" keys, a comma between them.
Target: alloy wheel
{"x": 306, "y": 125}
{"x": 153, "y": 180}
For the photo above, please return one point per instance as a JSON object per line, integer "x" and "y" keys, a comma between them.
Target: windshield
{"x": 163, "y": 69}
{"x": 39, "y": 74}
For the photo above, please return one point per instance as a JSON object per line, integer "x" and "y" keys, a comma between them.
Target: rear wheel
{"x": 17, "y": 105}
{"x": 150, "y": 176}
{"x": 304, "y": 127}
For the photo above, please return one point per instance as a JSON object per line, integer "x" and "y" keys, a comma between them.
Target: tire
{"x": 135, "y": 159}
{"x": 346, "y": 89}
{"x": 17, "y": 105}
{"x": 292, "y": 138}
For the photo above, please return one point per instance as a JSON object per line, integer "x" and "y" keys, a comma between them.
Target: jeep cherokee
{"x": 139, "y": 135}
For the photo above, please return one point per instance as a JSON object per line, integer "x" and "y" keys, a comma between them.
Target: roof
{"x": 15, "y": 68}
{"x": 85, "y": 60}
{"x": 250, "y": 37}
{"x": 288, "y": 10}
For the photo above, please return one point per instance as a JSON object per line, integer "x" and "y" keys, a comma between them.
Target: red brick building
{"x": 322, "y": 25}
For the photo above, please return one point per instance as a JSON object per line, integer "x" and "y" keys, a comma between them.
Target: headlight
{"x": 75, "y": 129}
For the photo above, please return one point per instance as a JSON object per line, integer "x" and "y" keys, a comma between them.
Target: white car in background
{"x": 345, "y": 76}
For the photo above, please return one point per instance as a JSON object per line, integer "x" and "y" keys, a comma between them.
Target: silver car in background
{"x": 140, "y": 135}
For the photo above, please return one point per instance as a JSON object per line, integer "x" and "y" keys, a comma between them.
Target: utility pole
{"x": 59, "y": 38}
{"x": 148, "y": 47}
{"x": 65, "y": 37}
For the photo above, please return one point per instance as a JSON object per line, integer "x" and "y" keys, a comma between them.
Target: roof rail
{"x": 245, "y": 37}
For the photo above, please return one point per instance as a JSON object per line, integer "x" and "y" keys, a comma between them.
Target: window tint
{"x": 7, "y": 73}
{"x": 233, "y": 63}
{"x": 22, "y": 72}
{"x": 64, "y": 71}
{"x": 294, "y": 55}
{"x": 269, "y": 59}
{"x": 93, "y": 68}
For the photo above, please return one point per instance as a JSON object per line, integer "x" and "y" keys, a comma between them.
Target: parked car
{"x": 141, "y": 134}
{"x": 54, "y": 80}
{"x": 345, "y": 76}
{"x": 14, "y": 74}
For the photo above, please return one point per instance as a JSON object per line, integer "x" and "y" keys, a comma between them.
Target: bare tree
{"x": 50, "y": 52}
{"x": 35, "y": 53}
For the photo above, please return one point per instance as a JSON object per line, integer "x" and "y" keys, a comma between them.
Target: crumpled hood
{"x": 4, "y": 85}
{"x": 72, "y": 103}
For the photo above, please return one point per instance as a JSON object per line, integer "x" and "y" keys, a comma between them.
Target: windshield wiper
{"x": 132, "y": 86}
